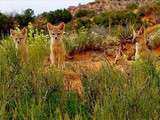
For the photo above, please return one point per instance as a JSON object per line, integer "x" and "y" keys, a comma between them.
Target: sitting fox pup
{"x": 57, "y": 48}
{"x": 142, "y": 51}
{"x": 120, "y": 60}
{"x": 19, "y": 38}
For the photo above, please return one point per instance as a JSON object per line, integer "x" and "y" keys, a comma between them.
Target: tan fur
{"x": 19, "y": 38}
{"x": 57, "y": 48}
{"x": 125, "y": 66}
{"x": 142, "y": 51}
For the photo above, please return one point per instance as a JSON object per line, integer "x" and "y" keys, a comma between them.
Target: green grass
{"x": 81, "y": 40}
{"x": 29, "y": 92}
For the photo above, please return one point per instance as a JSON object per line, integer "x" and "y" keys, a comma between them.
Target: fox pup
{"x": 19, "y": 38}
{"x": 142, "y": 51}
{"x": 120, "y": 60}
{"x": 57, "y": 55}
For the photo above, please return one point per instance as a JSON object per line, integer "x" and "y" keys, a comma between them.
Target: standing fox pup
{"x": 57, "y": 48}
{"x": 19, "y": 38}
{"x": 142, "y": 51}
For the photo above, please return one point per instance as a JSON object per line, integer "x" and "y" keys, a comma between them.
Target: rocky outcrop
{"x": 103, "y": 5}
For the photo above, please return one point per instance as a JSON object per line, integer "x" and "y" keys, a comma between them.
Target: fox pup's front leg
{"x": 61, "y": 60}
{"x": 53, "y": 59}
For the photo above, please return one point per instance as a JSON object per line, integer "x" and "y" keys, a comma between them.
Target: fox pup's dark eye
{"x": 16, "y": 39}
{"x": 20, "y": 38}
{"x": 53, "y": 34}
{"x": 117, "y": 60}
{"x": 58, "y": 33}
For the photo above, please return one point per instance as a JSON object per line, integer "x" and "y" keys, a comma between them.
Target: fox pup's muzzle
{"x": 56, "y": 38}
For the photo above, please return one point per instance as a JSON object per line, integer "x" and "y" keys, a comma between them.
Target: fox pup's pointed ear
{"x": 24, "y": 31}
{"x": 62, "y": 26}
{"x": 49, "y": 26}
{"x": 12, "y": 32}
{"x": 142, "y": 30}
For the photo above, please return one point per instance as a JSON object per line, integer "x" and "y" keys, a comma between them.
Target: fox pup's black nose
{"x": 18, "y": 42}
{"x": 128, "y": 73}
{"x": 56, "y": 38}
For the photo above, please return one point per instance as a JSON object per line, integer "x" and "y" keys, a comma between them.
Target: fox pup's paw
{"x": 61, "y": 66}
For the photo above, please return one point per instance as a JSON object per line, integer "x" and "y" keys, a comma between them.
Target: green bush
{"x": 132, "y": 6}
{"x": 26, "y": 17}
{"x": 3, "y": 24}
{"x": 120, "y": 17}
{"x": 42, "y": 15}
{"x": 121, "y": 32}
{"x": 85, "y": 13}
{"x": 58, "y": 16}
{"x": 83, "y": 22}
{"x": 83, "y": 40}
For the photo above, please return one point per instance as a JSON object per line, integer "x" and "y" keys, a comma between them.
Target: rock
{"x": 103, "y": 5}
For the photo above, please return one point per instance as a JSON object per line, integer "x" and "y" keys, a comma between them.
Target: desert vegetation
{"x": 90, "y": 86}
{"x": 37, "y": 92}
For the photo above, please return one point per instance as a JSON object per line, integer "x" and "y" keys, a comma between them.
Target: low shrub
{"x": 83, "y": 40}
{"x": 26, "y": 17}
{"x": 58, "y": 16}
{"x": 120, "y": 17}
{"x": 83, "y": 22}
{"x": 132, "y": 6}
{"x": 122, "y": 33}
{"x": 85, "y": 13}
